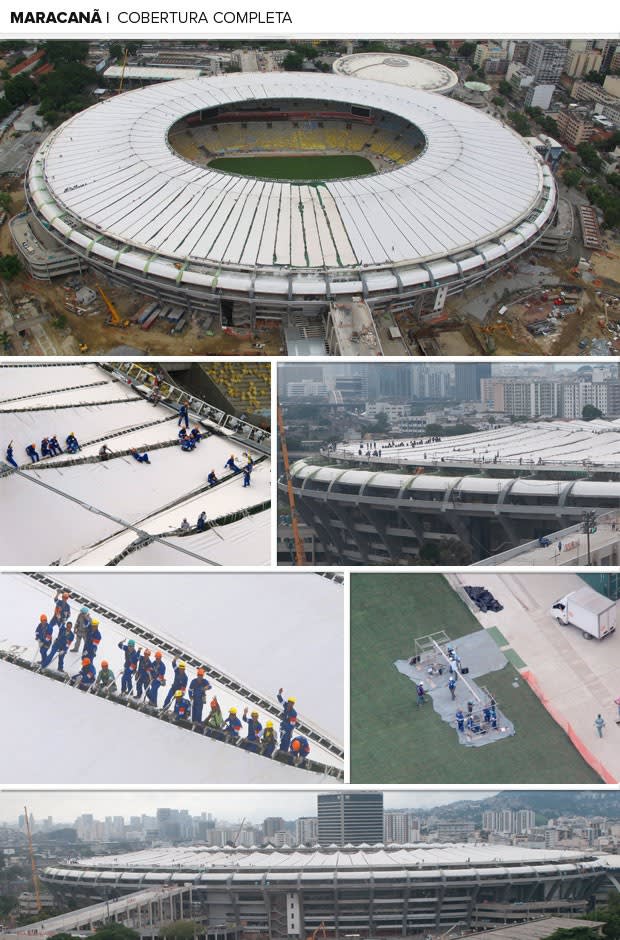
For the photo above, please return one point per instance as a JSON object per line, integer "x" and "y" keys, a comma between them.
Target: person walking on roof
{"x": 132, "y": 656}
{"x": 61, "y": 645}
{"x": 31, "y": 450}
{"x": 246, "y": 476}
{"x": 183, "y": 415}
{"x": 9, "y": 456}
{"x": 198, "y": 688}
{"x": 105, "y": 677}
{"x": 158, "y": 680}
{"x": 599, "y": 724}
{"x": 179, "y": 681}
{"x": 82, "y": 625}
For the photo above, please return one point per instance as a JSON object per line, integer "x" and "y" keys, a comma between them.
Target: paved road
{"x": 15, "y": 152}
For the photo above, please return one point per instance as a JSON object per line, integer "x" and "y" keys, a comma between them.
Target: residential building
{"x": 546, "y": 60}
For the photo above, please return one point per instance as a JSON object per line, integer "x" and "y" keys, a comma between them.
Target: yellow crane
{"x": 123, "y": 67}
{"x": 115, "y": 317}
{"x": 33, "y": 864}
{"x": 300, "y": 554}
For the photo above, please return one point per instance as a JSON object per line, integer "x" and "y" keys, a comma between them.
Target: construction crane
{"x": 123, "y": 67}
{"x": 300, "y": 554}
{"x": 239, "y": 831}
{"x": 320, "y": 929}
{"x": 33, "y": 864}
{"x": 115, "y": 318}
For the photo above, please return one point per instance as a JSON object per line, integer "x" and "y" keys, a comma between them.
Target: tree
{"x": 574, "y": 933}
{"x": 595, "y": 77}
{"x": 293, "y": 62}
{"x": 589, "y": 413}
{"x": 5, "y": 201}
{"x": 572, "y": 177}
{"x": 115, "y": 931}
{"x": 61, "y": 52}
{"x": 520, "y": 123}
{"x": 10, "y": 266}
{"x": 589, "y": 156}
{"x": 5, "y": 342}
{"x": 467, "y": 49}
{"x": 498, "y": 101}
{"x": 180, "y": 930}
{"x": 116, "y": 51}
{"x": 441, "y": 45}
{"x": 505, "y": 88}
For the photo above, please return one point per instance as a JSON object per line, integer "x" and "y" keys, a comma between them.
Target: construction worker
{"x": 104, "y": 452}
{"x": 252, "y": 739}
{"x": 132, "y": 656}
{"x": 197, "y": 691}
{"x": 452, "y": 686}
{"x": 9, "y": 456}
{"x": 214, "y": 719}
{"x": 72, "y": 443}
{"x": 246, "y": 476}
{"x": 141, "y": 458}
{"x": 288, "y": 706}
{"x": 105, "y": 677}
{"x": 182, "y": 435}
{"x": 231, "y": 465}
{"x": 269, "y": 740}
{"x": 62, "y": 604}
{"x": 287, "y": 727}
{"x": 182, "y": 706}
{"x": 183, "y": 415}
{"x": 158, "y": 680}
{"x": 86, "y": 676}
{"x": 45, "y": 448}
{"x": 211, "y": 479}
{"x": 420, "y": 693}
{"x": 43, "y": 636}
{"x": 300, "y": 749}
{"x": 92, "y": 640}
{"x": 201, "y": 522}
{"x": 188, "y": 444}
{"x": 144, "y": 673}
{"x": 54, "y": 445}
{"x": 82, "y": 625}
{"x": 232, "y": 725}
{"x": 195, "y": 434}
{"x": 185, "y": 526}
{"x": 460, "y": 721}
{"x": 31, "y": 450}
{"x": 179, "y": 681}
{"x": 61, "y": 645}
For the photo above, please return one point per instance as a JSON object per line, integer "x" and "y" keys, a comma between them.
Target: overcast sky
{"x": 228, "y": 804}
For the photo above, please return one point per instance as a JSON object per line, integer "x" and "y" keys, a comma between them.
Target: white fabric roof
{"x": 109, "y": 171}
{"x": 398, "y": 69}
{"x": 247, "y": 612}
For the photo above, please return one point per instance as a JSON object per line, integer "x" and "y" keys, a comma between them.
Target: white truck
{"x": 594, "y": 614}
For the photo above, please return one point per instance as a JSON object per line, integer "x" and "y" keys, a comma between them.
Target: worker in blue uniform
{"x": 183, "y": 415}
{"x": 288, "y": 706}
{"x": 179, "y": 681}
{"x": 82, "y": 625}
{"x": 62, "y": 609}
{"x": 246, "y": 476}
{"x": 269, "y": 740}
{"x": 231, "y": 465}
{"x": 92, "y": 640}
{"x": 182, "y": 706}
{"x": 252, "y": 739}
{"x": 9, "y": 456}
{"x": 86, "y": 676}
{"x": 158, "y": 680}
{"x": 232, "y": 725}
{"x": 195, "y": 434}
{"x": 287, "y": 727}
{"x": 132, "y": 656}
{"x": 141, "y": 458}
{"x": 197, "y": 690}
{"x": 188, "y": 444}
{"x": 72, "y": 443}
{"x": 43, "y": 635}
{"x": 201, "y": 522}
{"x": 45, "y": 448}
{"x": 31, "y": 450}
{"x": 460, "y": 720}
{"x": 61, "y": 645}
{"x": 54, "y": 445}
{"x": 144, "y": 673}
{"x": 300, "y": 749}
{"x": 212, "y": 479}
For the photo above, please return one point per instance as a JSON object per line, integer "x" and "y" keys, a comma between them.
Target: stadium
{"x": 379, "y": 890}
{"x": 398, "y": 69}
{"x": 117, "y": 510}
{"x": 379, "y": 502}
{"x": 271, "y": 195}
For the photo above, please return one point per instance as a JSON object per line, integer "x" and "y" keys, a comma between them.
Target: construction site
{"x": 245, "y": 657}
{"x": 485, "y": 677}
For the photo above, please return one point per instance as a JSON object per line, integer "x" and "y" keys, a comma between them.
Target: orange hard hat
{"x": 200, "y": 671}
{"x": 104, "y": 663}
{"x": 157, "y": 655}
{"x": 86, "y": 661}
{"x": 43, "y": 618}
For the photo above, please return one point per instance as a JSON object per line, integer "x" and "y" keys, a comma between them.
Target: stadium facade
{"x": 125, "y": 188}
{"x": 379, "y": 502}
{"x": 380, "y": 890}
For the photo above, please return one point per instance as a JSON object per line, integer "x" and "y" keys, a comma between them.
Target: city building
{"x": 468, "y": 378}
{"x": 546, "y": 60}
{"x": 350, "y": 818}
{"x": 574, "y": 127}
{"x": 307, "y": 830}
{"x": 539, "y": 96}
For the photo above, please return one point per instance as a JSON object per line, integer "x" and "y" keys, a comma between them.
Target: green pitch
{"x": 394, "y": 741}
{"x": 296, "y": 168}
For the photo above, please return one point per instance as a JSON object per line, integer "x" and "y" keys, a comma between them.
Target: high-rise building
{"x": 350, "y": 818}
{"x": 400, "y": 826}
{"x": 467, "y": 380}
{"x": 546, "y": 60}
{"x": 307, "y": 830}
{"x": 271, "y": 825}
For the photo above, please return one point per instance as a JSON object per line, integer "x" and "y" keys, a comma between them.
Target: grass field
{"x": 296, "y": 168}
{"x": 393, "y": 741}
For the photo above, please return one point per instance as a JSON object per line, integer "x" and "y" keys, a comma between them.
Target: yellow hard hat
{"x": 269, "y": 724}
{"x": 181, "y": 665}
{"x": 178, "y": 693}
{"x": 233, "y": 711}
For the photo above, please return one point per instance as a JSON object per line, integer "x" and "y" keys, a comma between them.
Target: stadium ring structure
{"x": 379, "y": 890}
{"x": 461, "y": 196}
{"x": 493, "y": 490}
